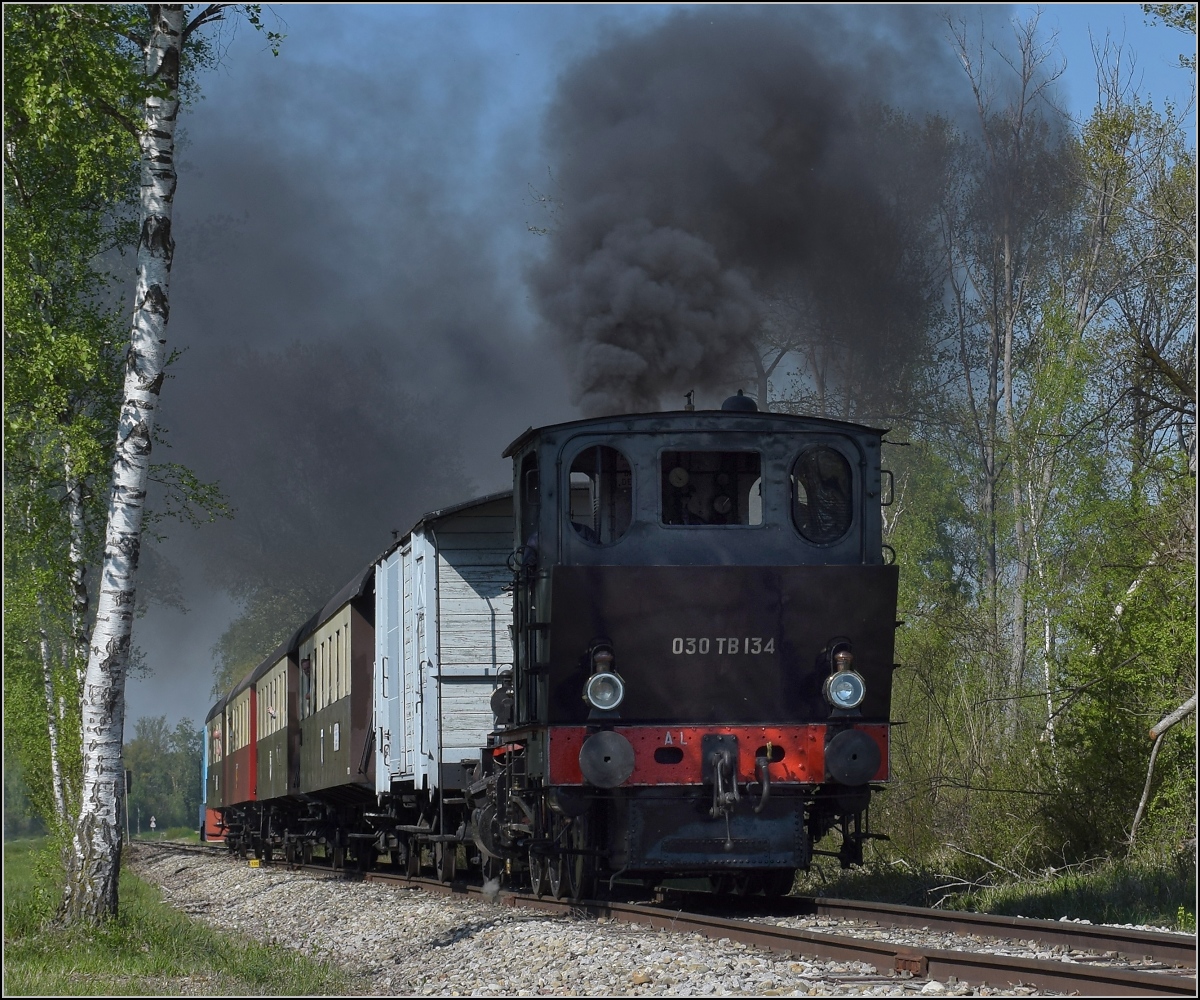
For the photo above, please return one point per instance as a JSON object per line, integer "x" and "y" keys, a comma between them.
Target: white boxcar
{"x": 442, "y": 615}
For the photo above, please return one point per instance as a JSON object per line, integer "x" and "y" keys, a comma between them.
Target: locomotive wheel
{"x": 537, "y": 874}
{"x": 445, "y": 858}
{"x": 492, "y": 868}
{"x": 734, "y": 884}
{"x": 556, "y": 876}
{"x": 412, "y": 860}
{"x": 777, "y": 882}
{"x": 580, "y": 866}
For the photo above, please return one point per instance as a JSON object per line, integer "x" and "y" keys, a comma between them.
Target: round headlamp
{"x": 845, "y": 689}
{"x": 604, "y": 691}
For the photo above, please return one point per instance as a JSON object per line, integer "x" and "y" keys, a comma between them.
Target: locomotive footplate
{"x": 673, "y": 830}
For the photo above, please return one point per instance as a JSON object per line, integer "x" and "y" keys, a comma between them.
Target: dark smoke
{"x": 646, "y": 301}
{"x": 727, "y": 158}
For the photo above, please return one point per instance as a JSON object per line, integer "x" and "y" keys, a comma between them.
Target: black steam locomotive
{"x": 694, "y": 678}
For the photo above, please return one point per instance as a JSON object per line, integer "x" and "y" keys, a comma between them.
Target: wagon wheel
{"x": 365, "y": 857}
{"x": 445, "y": 858}
{"x": 581, "y": 864}
{"x": 412, "y": 859}
{"x": 537, "y": 874}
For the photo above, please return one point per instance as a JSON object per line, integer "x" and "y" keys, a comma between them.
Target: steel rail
{"x": 969, "y": 967}
{"x": 1174, "y": 949}
{"x": 1160, "y": 946}
{"x": 972, "y": 968}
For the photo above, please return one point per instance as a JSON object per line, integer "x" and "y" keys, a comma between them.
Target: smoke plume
{"x": 729, "y": 157}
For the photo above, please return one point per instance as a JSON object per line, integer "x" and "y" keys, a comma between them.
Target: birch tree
{"x": 159, "y": 36}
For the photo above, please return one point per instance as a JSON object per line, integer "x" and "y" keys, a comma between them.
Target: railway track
{"x": 1084, "y": 959}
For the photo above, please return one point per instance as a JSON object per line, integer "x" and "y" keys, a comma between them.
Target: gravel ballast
{"x": 412, "y": 942}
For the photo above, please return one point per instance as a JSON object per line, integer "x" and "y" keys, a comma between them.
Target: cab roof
{"x": 699, "y": 420}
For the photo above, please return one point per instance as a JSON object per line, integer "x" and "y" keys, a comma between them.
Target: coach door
{"x": 411, "y": 665}
{"x": 389, "y": 677}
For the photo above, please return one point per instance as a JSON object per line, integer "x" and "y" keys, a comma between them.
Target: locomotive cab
{"x": 703, "y": 633}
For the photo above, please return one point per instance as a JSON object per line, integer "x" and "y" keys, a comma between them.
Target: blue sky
{"x": 373, "y": 187}
{"x": 1155, "y": 50}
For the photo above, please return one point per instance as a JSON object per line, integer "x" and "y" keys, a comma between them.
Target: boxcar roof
{"x": 437, "y": 515}
{"x": 676, "y": 420}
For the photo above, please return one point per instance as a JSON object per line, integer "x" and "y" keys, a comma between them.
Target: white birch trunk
{"x": 75, "y": 555}
{"x": 91, "y": 890}
{"x": 56, "y": 772}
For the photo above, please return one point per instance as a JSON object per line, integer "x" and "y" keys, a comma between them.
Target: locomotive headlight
{"x": 604, "y": 691}
{"x": 845, "y": 689}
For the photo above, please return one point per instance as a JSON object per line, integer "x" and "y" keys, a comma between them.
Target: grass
{"x": 151, "y": 949}
{"x": 187, "y": 833}
{"x": 1161, "y": 894}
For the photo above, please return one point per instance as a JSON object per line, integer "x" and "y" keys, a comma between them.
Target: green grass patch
{"x": 151, "y": 949}
{"x": 1162, "y": 894}
{"x": 187, "y": 833}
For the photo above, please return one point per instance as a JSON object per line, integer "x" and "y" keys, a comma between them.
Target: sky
{"x": 360, "y": 293}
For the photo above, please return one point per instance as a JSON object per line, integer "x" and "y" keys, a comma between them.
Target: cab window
{"x": 601, "y": 495}
{"x": 822, "y": 499}
{"x": 711, "y": 487}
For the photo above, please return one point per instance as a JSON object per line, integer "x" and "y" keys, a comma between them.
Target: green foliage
{"x": 1045, "y": 523}
{"x": 1182, "y": 17}
{"x": 166, "y": 773}
{"x": 269, "y": 616}
{"x": 151, "y": 949}
{"x": 74, "y": 86}
{"x": 69, "y": 190}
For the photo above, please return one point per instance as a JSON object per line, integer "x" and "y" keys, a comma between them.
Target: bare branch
{"x": 1181, "y": 713}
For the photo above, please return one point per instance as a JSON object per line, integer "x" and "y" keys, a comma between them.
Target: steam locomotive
{"x": 666, "y": 653}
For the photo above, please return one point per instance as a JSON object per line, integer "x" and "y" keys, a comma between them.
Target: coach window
{"x": 601, "y": 495}
{"x": 822, "y": 495}
{"x": 306, "y": 686}
{"x": 711, "y": 487}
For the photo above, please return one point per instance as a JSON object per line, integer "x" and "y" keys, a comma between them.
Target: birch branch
{"x": 1178, "y": 715}
{"x": 1157, "y": 733}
